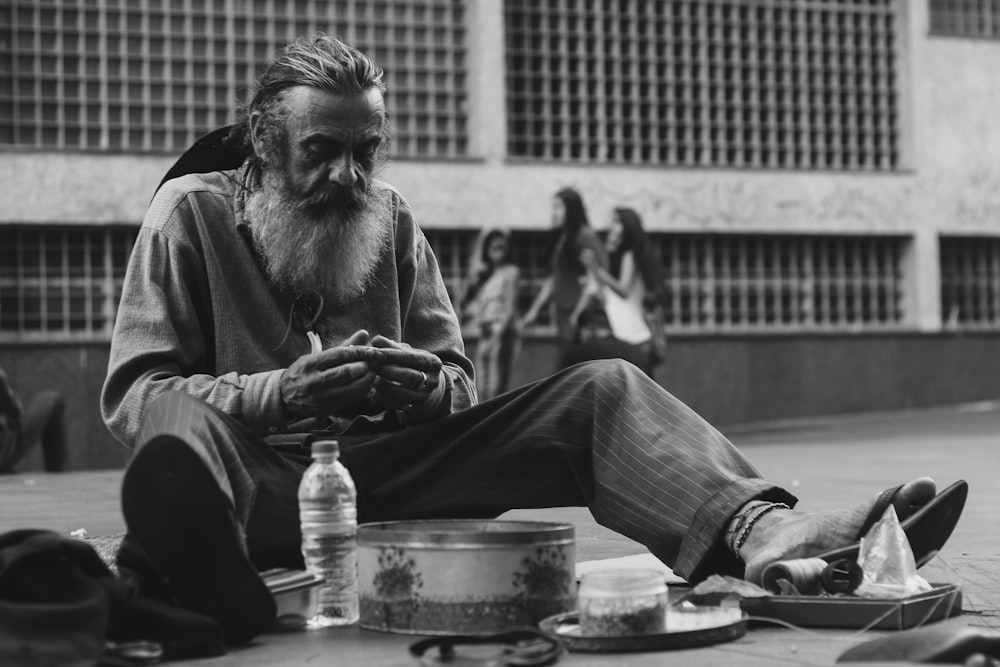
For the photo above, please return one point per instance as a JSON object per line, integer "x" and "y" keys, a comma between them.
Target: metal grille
{"x": 61, "y": 283}
{"x": 733, "y": 283}
{"x": 771, "y": 283}
{"x": 965, "y": 18}
{"x": 117, "y": 75}
{"x": 532, "y": 252}
{"x": 804, "y": 84}
{"x": 453, "y": 249}
{"x": 970, "y": 282}
{"x": 65, "y": 283}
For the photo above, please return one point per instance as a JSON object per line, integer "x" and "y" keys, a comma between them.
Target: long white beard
{"x": 332, "y": 250}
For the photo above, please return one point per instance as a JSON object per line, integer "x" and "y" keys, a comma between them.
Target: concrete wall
{"x": 728, "y": 379}
{"x": 750, "y": 379}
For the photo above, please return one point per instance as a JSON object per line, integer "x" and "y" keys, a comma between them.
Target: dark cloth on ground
{"x": 60, "y": 605}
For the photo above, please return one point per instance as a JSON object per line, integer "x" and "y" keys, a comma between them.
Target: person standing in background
{"x": 43, "y": 419}
{"x": 491, "y": 300}
{"x": 623, "y": 289}
{"x": 573, "y": 235}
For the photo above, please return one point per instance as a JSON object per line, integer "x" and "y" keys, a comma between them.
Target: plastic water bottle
{"x": 329, "y": 516}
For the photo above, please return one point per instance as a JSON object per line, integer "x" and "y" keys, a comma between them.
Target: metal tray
{"x": 814, "y": 611}
{"x": 567, "y": 628}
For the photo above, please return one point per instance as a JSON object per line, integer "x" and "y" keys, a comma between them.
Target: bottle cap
{"x": 325, "y": 447}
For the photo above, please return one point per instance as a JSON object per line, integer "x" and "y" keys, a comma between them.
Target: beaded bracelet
{"x": 741, "y": 540}
{"x": 736, "y": 524}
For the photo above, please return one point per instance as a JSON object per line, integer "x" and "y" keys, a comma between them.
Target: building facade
{"x": 821, "y": 178}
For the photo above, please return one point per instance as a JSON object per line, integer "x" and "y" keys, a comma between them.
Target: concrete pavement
{"x": 828, "y": 464}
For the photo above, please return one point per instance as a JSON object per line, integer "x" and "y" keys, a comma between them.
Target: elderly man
{"x": 213, "y": 381}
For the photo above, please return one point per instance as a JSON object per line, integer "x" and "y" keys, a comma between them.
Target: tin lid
{"x": 464, "y": 533}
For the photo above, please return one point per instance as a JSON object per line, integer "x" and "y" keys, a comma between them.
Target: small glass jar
{"x": 623, "y": 603}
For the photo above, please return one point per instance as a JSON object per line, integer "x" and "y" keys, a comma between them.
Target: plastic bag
{"x": 887, "y": 562}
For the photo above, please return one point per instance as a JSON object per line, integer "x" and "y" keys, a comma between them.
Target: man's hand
{"x": 336, "y": 381}
{"x": 409, "y": 380}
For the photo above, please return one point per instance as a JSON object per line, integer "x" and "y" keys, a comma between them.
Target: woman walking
{"x": 572, "y": 236}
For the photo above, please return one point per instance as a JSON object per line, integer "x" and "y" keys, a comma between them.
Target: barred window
{"x": 771, "y": 283}
{"x": 153, "y": 76}
{"x": 732, "y": 283}
{"x": 61, "y": 283}
{"x": 807, "y": 85}
{"x": 455, "y": 251}
{"x": 970, "y": 281}
{"x": 532, "y": 251}
{"x": 965, "y": 18}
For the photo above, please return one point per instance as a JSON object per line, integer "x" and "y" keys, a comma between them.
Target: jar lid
{"x": 618, "y": 583}
{"x": 328, "y": 446}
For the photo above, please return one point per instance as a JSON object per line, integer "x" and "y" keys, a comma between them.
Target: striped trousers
{"x": 600, "y": 434}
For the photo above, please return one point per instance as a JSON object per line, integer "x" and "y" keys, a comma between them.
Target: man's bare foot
{"x": 785, "y": 534}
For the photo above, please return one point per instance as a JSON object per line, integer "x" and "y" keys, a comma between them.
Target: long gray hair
{"x": 320, "y": 61}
